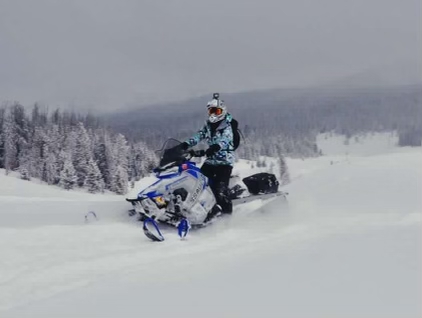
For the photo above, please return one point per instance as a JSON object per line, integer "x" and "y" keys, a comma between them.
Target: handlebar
{"x": 180, "y": 158}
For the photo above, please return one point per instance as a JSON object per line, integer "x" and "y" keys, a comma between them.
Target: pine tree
{"x": 25, "y": 165}
{"x": 10, "y": 141}
{"x": 24, "y": 173}
{"x": 55, "y": 146}
{"x": 120, "y": 169}
{"x": 82, "y": 154}
{"x": 37, "y": 152}
{"x": 121, "y": 151}
{"x": 2, "y": 138}
{"x": 99, "y": 152}
{"x": 110, "y": 162}
{"x": 120, "y": 180}
{"x": 94, "y": 181}
{"x": 68, "y": 177}
{"x": 20, "y": 123}
{"x": 50, "y": 168}
{"x": 284, "y": 172}
{"x": 142, "y": 160}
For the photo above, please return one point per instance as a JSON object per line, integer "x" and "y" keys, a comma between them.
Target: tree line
{"x": 70, "y": 150}
{"x": 286, "y": 121}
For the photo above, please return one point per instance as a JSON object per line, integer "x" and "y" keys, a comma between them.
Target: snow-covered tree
{"x": 10, "y": 157}
{"x": 142, "y": 160}
{"x": 121, "y": 151}
{"x": 94, "y": 182}
{"x": 68, "y": 177}
{"x": 37, "y": 152}
{"x": 25, "y": 165}
{"x": 81, "y": 153}
{"x": 284, "y": 172}
{"x": 103, "y": 156}
{"x": 20, "y": 123}
{"x": 120, "y": 180}
{"x": 2, "y": 138}
{"x": 50, "y": 168}
{"x": 64, "y": 146}
{"x": 120, "y": 169}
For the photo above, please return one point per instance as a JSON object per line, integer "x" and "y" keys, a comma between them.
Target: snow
{"x": 347, "y": 244}
{"x": 365, "y": 144}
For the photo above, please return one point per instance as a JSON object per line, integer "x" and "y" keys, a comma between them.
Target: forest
{"x": 285, "y": 121}
{"x": 69, "y": 150}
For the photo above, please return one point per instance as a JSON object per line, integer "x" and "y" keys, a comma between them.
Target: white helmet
{"x": 216, "y": 109}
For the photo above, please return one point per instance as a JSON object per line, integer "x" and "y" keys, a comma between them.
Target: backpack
{"x": 236, "y": 133}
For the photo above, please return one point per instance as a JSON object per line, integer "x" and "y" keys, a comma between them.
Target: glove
{"x": 212, "y": 150}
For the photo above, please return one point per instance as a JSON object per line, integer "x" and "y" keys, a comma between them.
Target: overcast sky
{"x": 111, "y": 53}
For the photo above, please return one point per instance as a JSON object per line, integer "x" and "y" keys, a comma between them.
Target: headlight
{"x": 159, "y": 200}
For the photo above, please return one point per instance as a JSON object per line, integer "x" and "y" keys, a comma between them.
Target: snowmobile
{"x": 182, "y": 197}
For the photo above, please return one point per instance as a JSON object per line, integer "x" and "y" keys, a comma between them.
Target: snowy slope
{"x": 348, "y": 244}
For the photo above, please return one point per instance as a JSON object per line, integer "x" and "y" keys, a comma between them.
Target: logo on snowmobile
{"x": 197, "y": 190}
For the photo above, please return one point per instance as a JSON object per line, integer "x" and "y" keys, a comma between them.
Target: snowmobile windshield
{"x": 170, "y": 153}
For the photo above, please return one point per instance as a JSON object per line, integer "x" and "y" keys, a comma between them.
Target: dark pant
{"x": 219, "y": 177}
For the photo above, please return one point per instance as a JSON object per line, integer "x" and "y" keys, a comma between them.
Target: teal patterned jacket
{"x": 223, "y": 137}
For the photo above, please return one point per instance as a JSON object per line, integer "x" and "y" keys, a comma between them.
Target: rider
{"x": 220, "y": 154}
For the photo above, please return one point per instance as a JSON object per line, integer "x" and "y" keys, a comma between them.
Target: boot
{"x": 223, "y": 199}
{"x": 215, "y": 211}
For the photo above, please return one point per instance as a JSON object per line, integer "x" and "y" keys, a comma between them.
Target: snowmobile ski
{"x": 152, "y": 230}
{"x": 154, "y": 234}
{"x": 183, "y": 228}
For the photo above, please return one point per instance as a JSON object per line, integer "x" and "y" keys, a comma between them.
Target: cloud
{"x": 106, "y": 54}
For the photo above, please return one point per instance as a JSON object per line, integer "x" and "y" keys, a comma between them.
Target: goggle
{"x": 215, "y": 111}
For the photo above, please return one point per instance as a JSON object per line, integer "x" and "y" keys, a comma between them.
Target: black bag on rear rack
{"x": 261, "y": 183}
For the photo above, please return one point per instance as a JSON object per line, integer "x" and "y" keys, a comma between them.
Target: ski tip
{"x": 152, "y": 231}
{"x": 87, "y": 218}
{"x": 183, "y": 228}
